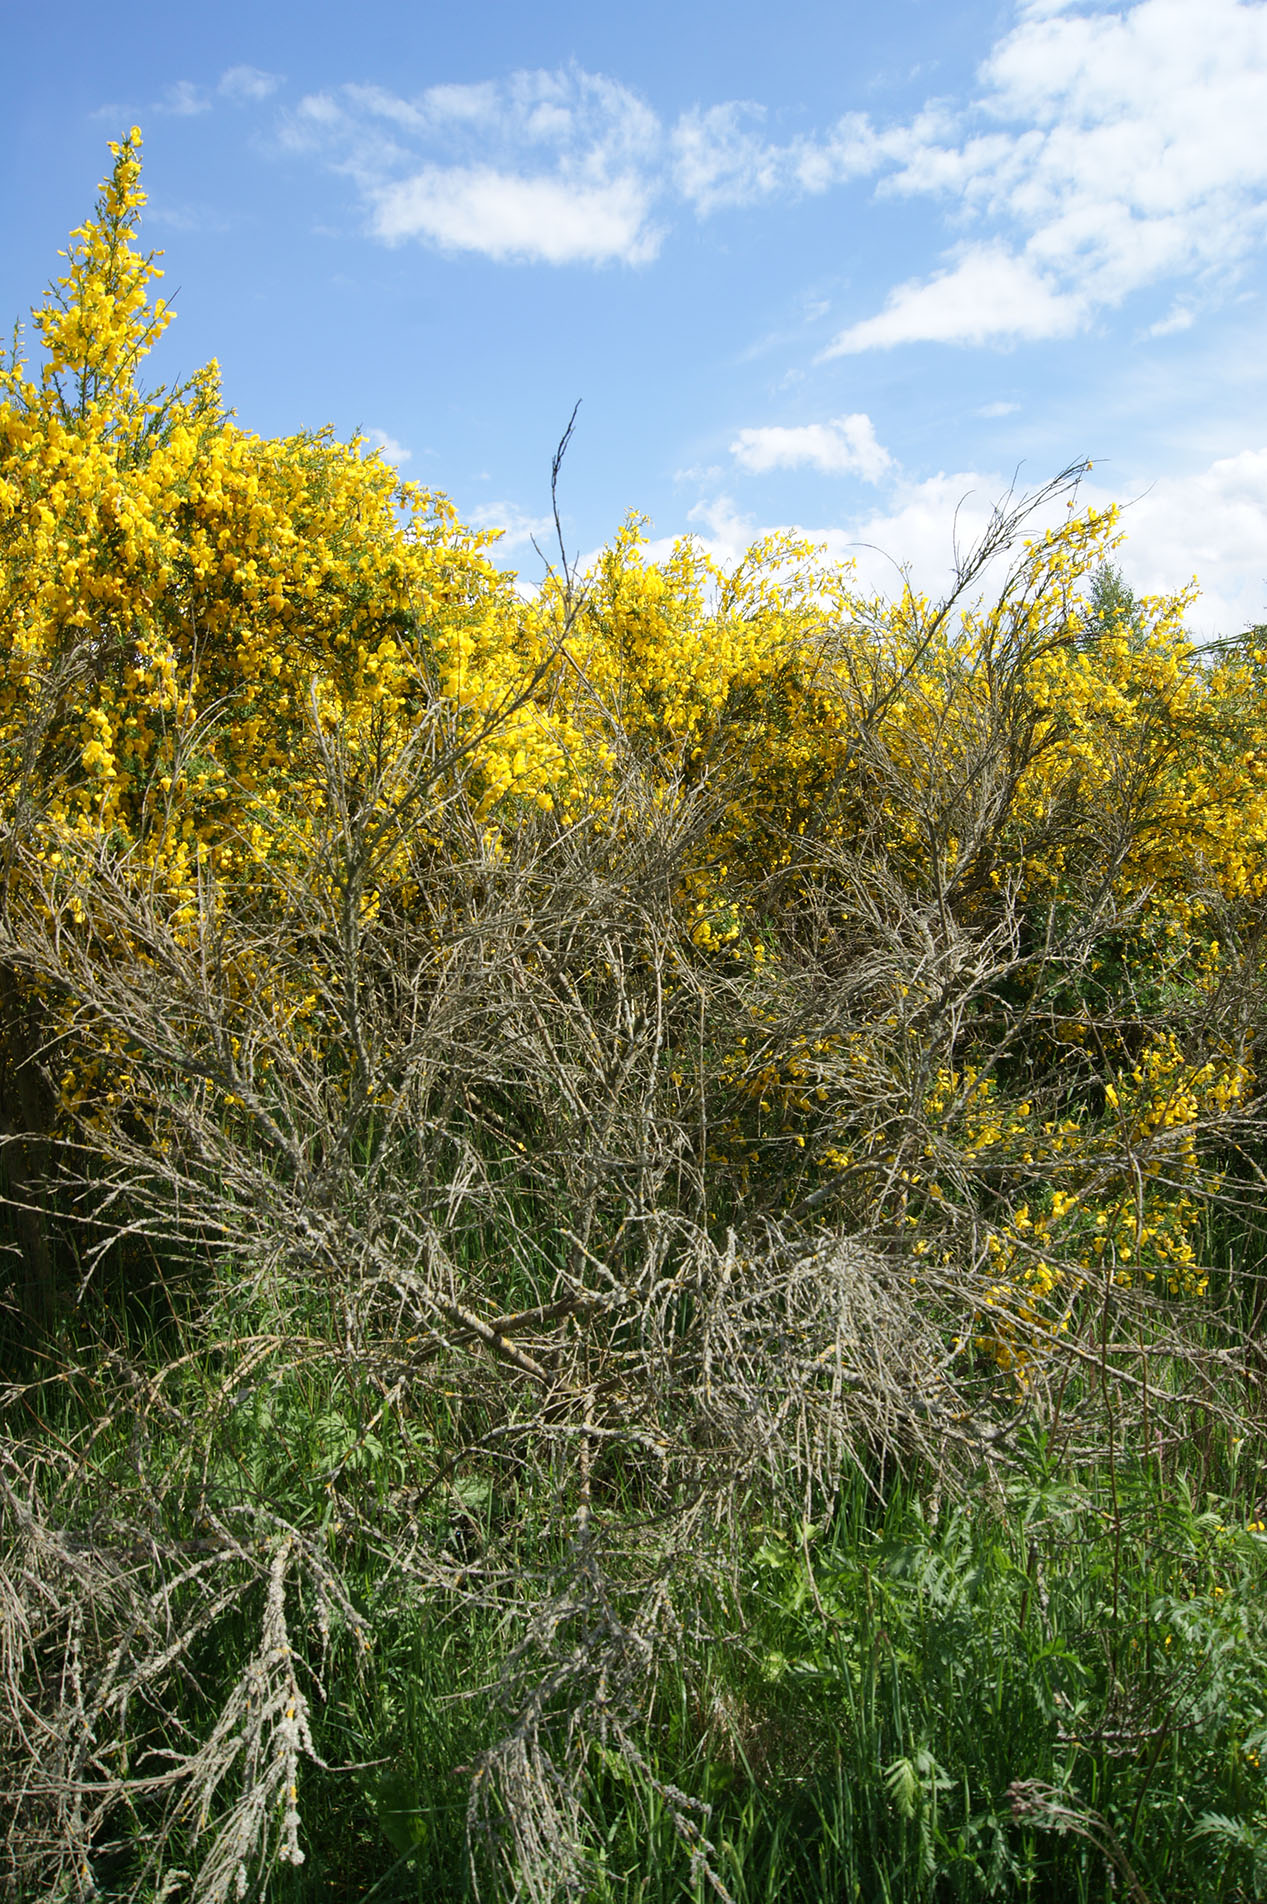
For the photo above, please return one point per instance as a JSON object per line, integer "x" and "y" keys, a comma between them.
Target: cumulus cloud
{"x": 988, "y": 295}
{"x": 1208, "y": 523}
{"x": 248, "y": 84}
{"x": 545, "y": 220}
{"x": 914, "y": 533}
{"x": 926, "y": 526}
{"x": 1205, "y": 524}
{"x": 1105, "y": 149}
{"x": 388, "y": 448}
{"x": 574, "y": 146}
{"x": 515, "y": 527}
{"x": 553, "y": 168}
{"x": 845, "y": 446}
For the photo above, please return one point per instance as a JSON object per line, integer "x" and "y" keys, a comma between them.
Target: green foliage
{"x": 900, "y": 1668}
{"x": 1112, "y": 607}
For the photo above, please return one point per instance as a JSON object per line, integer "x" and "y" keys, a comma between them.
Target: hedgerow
{"x": 567, "y": 1080}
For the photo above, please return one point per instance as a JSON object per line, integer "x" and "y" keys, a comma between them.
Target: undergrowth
{"x": 1032, "y": 1686}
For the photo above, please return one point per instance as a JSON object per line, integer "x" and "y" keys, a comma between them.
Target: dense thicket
{"x": 549, "y": 1141}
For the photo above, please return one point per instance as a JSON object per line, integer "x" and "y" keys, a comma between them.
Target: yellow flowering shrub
{"x": 193, "y": 612}
{"x": 180, "y": 594}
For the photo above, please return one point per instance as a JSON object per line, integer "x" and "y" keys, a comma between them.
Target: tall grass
{"x": 1040, "y": 1681}
{"x": 1026, "y": 1696}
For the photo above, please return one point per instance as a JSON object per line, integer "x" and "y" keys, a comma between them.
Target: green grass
{"x": 848, "y": 1719}
{"x": 856, "y": 1733}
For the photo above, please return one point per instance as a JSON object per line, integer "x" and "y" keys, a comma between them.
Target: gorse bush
{"x": 516, "y": 1106}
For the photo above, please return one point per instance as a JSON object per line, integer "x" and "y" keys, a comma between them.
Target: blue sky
{"x": 836, "y": 266}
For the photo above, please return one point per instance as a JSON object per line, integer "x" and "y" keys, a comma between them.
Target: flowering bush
{"x": 695, "y": 1024}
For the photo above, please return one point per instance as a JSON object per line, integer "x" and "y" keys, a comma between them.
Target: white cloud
{"x": 388, "y": 448}
{"x": 921, "y": 531}
{"x": 568, "y": 135}
{"x": 587, "y": 121}
{"x": 988, "y": 295}
{"x": 248, "y": 83}
{"x": 515, "y": 527}
{"x": 1180, "y": 318}
{"x": 729, "y": 532}
{"x": 554, "y": 168}
{"x": 915, "y": 535}
{"x": 1001, "y": 408}
{"x": 472, "y": 105}
{"x": 1207, "y": 522}
{"x": 1109, "y": 150}
{"x": 925, "y": 528}
{"x": 845, "y": 446}
{"x": 543, "y": 220}
{"x": 719, "y": 161}
{"x": 699, "y": 473}
{"x": 183, "y": 100}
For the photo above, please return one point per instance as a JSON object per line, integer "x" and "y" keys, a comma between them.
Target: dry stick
{"x": 1111, "y": 1416}
{"x": 493, "y": 1338}
{"x": 1034, "y": 1802}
